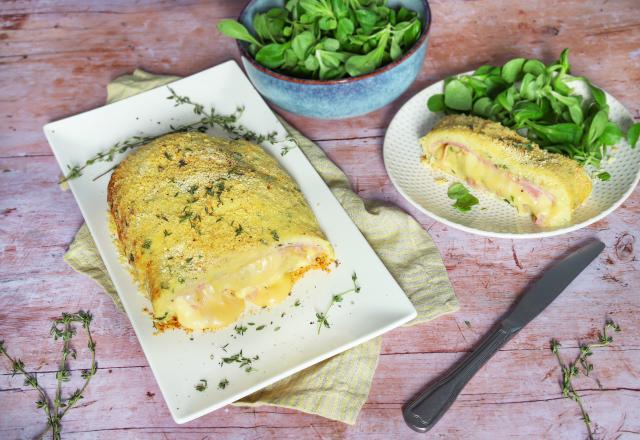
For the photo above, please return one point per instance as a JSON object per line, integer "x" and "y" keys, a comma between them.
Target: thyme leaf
{"x": 62, "y": 328}
{"x": 240, "y": 329}
{"x": 223, "y": 384}
{"x": 241, "y": 360}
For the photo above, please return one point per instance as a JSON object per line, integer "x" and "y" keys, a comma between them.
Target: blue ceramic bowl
{"x": 342, "y": 98}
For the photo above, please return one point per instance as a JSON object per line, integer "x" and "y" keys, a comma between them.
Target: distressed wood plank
{"x": 142, "y": 408}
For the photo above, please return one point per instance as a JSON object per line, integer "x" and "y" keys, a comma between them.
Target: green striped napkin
{"x": 338, "y": 387}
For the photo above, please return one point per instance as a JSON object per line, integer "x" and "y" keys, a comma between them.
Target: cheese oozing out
{"x": 264, "y": 280}
{"x": 525, "y": 196}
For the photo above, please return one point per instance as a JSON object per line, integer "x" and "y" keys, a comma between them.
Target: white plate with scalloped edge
{"x": 282, "y": 341}
{"x": 426, "y": 189}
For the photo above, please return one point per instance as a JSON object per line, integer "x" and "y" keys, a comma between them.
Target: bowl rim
{"x": 347, "y": 80}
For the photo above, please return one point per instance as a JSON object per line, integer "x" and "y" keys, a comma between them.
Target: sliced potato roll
{"x": 545, "y": 185}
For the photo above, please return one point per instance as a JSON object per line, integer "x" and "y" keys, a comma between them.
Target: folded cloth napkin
{"x": 338, "y": 387}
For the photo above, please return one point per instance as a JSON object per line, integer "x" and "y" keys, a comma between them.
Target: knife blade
{"x": 425, "y": 409}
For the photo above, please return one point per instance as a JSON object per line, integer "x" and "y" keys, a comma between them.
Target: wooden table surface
{"x": 56, "y": 59}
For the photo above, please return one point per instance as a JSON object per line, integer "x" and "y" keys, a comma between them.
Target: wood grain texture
{"x": 56, "y": 59}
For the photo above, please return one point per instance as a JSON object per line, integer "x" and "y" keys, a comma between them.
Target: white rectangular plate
{"x": 178, "y": 360}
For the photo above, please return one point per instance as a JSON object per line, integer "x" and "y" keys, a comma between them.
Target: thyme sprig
{"x": 107, "y": 155}
{"x": 321, "y": 318}
{"x": 208, "y": 119}
{"x": 61, "y": 328}
{"x": 581, "y": 365}
{"x": 229, "y": 123}
{"x": 243, "y": 361}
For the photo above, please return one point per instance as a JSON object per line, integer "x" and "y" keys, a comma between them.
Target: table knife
{"x": 424, "y": 411}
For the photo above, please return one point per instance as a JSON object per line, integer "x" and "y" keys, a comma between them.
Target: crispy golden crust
{"x": 186, "y": 204}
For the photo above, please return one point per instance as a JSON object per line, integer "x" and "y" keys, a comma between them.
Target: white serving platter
{"x": 286, "y": 344}
{"x": 426, "y": 189}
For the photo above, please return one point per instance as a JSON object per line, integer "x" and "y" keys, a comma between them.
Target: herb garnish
{"x": 223, "y": 384}
{"x": 240, "y": 359}
{"x": 464, "y": 199}
{"x": 146, "y": 244}
{"x": 321, "y": 318}
{"x": 275, "y": 235}
{"x": 202, "y": 385}
{"x": 62, "y": 328}
{"x": 581, "y": 365}
{"x": 260, "y": 327}
{"x": 240, "y": 329}
{"x": 536, "y": 99}
{"x": 208, "y": 119}
{"x": 161, "y": 318}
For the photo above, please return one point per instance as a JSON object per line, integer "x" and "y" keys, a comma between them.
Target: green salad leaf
{"x": 363, "y": 35}
{"x": 633, "y": 134}
{"x": 464, "y": 200}
{"x": 235, "y": 30}
{"x": 537, "y": 100}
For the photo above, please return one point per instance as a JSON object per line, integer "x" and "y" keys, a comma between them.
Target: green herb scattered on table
{"x": 581, "y": 365}
{"x": 328, "y": 39}
{"x": 208, "y": 119}
{"x": 464, "y": 200}
{"x": 538, "y": 101}
{"x": 62, "y": 328}
{"x": 321, "y": 318}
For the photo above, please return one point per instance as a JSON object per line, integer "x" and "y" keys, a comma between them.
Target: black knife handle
{"x": 422, "y": 413}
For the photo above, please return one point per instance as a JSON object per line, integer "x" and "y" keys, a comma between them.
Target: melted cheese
{"x": 526, "y": 197}
{"x": 220, "y": 300}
